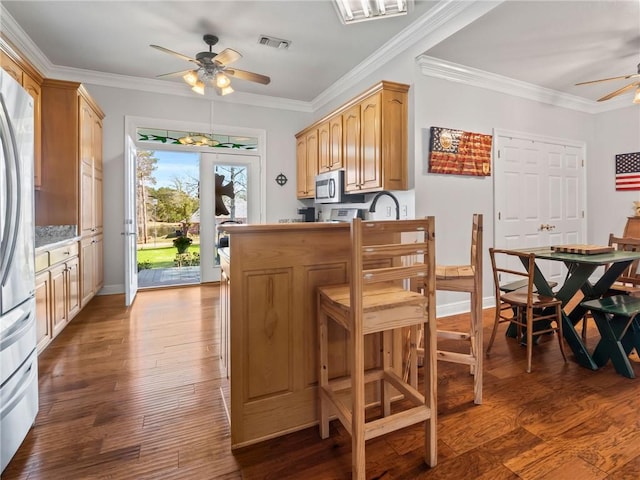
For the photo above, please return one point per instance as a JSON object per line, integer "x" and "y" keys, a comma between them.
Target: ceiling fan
{"x": 213, "y": 68}
{"x": 626, "y": 88}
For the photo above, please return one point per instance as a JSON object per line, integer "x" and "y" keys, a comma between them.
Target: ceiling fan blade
{"x": 174, "y": 74}
{"x": 175, "y": 54}
{"x": 623, "y": 77}
{"x": 227, "y": 56}
{"x": 244, "y": 75}
{"x": 624, "y": 89}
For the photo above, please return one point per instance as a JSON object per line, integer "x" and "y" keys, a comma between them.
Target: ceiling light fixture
{"x": 636, "y": 97}
{"x": 198, "y": 79}
{"x": 352, "y": 11}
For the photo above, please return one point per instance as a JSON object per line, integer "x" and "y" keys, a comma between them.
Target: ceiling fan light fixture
{"x": 191, "y": 77}
{"x": 222, "y": 80}
{"x": 225, "y": 90}
{"x": 636, "y": 97}
{"x": 198, "y": 87}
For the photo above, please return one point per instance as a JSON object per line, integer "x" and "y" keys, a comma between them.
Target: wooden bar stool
{"x": 385, "y": 257}
{"x": 466, "y": 278}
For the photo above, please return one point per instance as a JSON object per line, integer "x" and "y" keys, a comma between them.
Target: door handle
{"x": 547, "y": 227}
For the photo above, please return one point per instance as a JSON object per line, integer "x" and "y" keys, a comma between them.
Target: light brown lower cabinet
{"x": 269, "y": 334}
{"x": 43, "y": 310}
{"x": 92, "y": 266}
{"x": 57, "y": 291}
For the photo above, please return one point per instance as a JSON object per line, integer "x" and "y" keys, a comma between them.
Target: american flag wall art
{"x": 628, "y": 171}
{"x": 459, "y": 153}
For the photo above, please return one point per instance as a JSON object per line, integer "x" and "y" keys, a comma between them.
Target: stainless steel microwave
{"x": 330, "y": 189}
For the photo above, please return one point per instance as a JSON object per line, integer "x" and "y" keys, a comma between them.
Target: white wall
{"x": 453, "y": 199}
{"x": 280, "y": 126}
{"x": 615, "y": 132}
{"x": 432, "y": 102}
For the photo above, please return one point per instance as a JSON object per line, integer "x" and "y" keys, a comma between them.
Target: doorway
{"x": 152, "y": 134}
{"x": 539, "y": 194}
{"x": 167, "y": 214}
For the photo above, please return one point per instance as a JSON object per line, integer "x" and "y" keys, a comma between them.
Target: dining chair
{"x": 523, "y": 307}
{"x": 385, "y": 257}
{"x": 468, "y": 279}
{"x": 629, "y": 281}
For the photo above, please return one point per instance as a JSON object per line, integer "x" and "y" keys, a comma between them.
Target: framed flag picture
{"x": 628, "y": 171}
{"x": 457, "y": 152}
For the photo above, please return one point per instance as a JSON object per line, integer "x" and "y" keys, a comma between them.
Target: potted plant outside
{"x": 182, "y": 243}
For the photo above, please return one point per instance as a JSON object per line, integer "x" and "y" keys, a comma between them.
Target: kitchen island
{"x": 268, "y": 323}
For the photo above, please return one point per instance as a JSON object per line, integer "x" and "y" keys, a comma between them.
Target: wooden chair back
{"x": 630, "y": 276}
{"x": 509, "y": 266}
{"x": 396, "y": 252}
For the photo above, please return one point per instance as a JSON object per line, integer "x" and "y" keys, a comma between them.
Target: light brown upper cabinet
{"x": 30, "y": 80}
{"x": 366, "y": 136}
{"x": 307, "y": 163}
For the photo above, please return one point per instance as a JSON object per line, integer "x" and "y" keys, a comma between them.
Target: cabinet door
{"x": 98, "y": 274}
{"x": 43, "y": 310}
{"x": 351, "y": 147}
{"x": 301, "y": 167}
{"x": 33, "y": 89}
{"x": 59, "y": 309}
{"x": 87, "y": 267}
{"x": 394, "y": 140}
{"x": 11, "y": 67}
{"x": 335, "y": 143}
{"x": 86, "y": 199}
{"x": 73, "y": 287}
{"x": 371, "y": 130}
{"x": 87, "y": 118}
{"x": 312, "y": 162}
{"x": 97, "y": 174}
{"x": 97, "y": 201}
{"x": 324, "y": 146}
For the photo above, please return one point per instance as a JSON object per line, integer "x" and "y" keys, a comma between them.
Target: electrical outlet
{"x": 388, "y": 212}
{"x": 404, "y": 211}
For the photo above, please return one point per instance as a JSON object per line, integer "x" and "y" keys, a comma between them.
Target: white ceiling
{"x": 549, "y": 44}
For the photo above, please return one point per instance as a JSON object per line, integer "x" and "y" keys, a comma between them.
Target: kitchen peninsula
{"x": 268, "y": 314}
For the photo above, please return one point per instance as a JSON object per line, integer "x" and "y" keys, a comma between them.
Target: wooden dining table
{"x": 580, "y": 267}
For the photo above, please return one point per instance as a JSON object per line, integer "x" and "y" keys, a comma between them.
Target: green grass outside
{"x": 162, "y": 257}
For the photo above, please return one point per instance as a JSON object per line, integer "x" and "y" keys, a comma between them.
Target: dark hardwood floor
{"x": 134, "y": 394}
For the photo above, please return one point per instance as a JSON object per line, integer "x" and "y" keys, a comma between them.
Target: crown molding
{"x": 174, "y": 88}
{"x": 440, "y": 21}
{"x": 453, "y": 72}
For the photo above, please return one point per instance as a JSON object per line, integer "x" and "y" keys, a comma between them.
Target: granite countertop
{"x": 50, "y": 235}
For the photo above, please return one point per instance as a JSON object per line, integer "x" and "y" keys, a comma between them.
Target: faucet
{"x": 372, "y": 208}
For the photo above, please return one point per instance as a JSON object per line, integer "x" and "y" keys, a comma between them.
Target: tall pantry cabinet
{"x": 71, "y": 191}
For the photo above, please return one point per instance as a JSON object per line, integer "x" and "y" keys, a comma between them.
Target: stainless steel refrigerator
{"x": 18, "y": 357}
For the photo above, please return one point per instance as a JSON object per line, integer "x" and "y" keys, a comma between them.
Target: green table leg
{"x": 611, "y": 345}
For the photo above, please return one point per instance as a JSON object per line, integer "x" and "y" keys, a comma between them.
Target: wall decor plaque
{"x": 457, "y": 152}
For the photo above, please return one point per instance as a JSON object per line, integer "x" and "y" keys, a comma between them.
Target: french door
{"x": 539, "y": 194}
{"x": 238, "y": 173}
{"x": 130, "y": 227}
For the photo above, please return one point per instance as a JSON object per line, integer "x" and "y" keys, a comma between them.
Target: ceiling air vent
{"x": 274, "y": 42}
